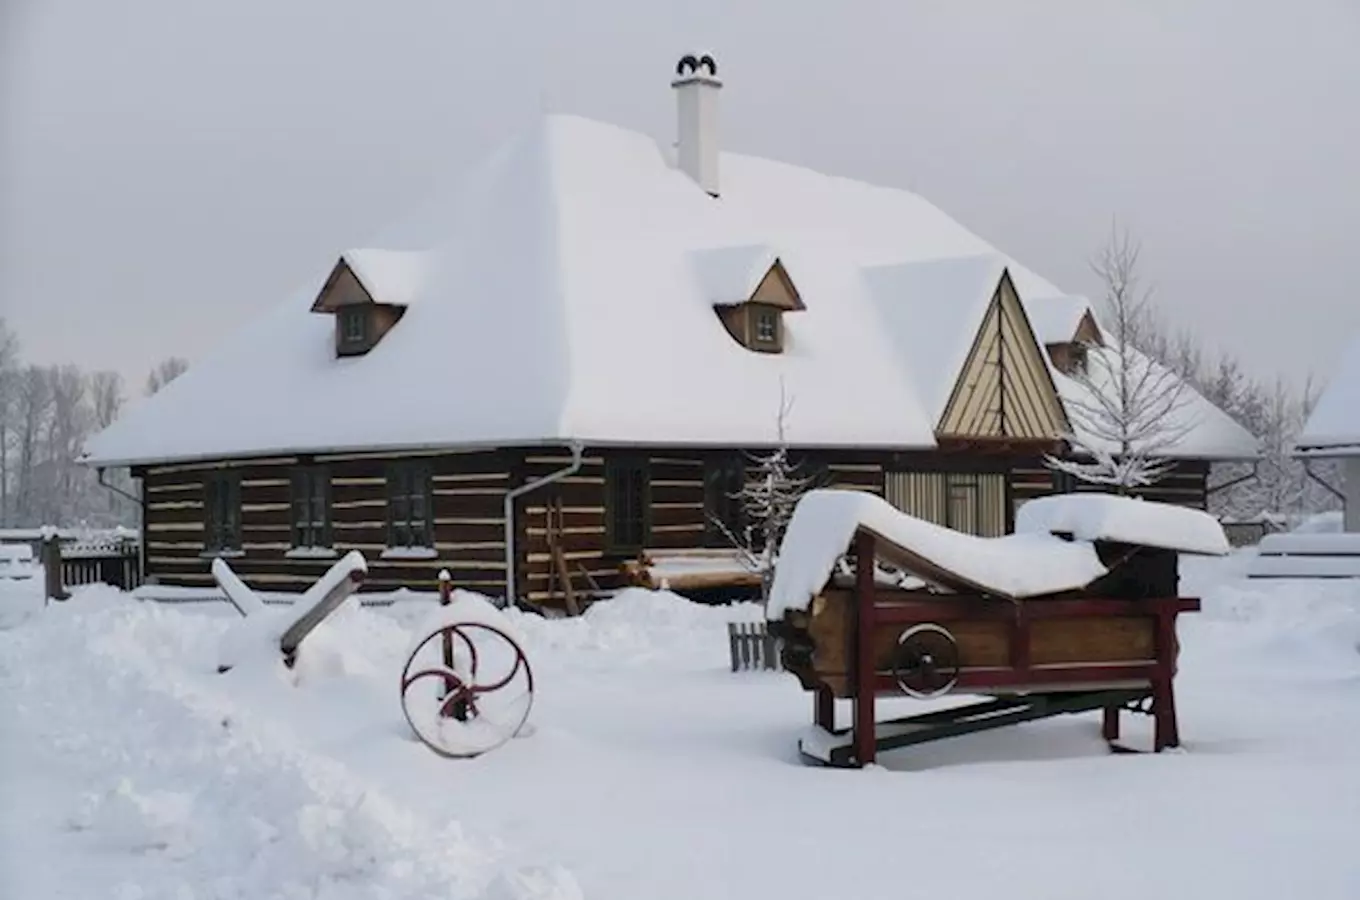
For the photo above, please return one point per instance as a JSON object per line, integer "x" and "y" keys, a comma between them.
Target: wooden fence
{"x": 752, "y": 646}
{"x": 116, "y": 562}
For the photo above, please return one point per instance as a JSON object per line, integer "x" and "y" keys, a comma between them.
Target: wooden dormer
{"x": 757, "y": 322}
{"x": 360, "y": 321}
{"x": 1069, "y": 357}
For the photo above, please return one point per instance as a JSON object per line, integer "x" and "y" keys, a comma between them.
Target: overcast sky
{"x": 168, "y": 168}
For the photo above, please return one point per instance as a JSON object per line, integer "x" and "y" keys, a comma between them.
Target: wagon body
{"x": 1107, "y": 641}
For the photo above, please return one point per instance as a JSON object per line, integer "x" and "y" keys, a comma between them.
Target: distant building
{"x": 1333, "y": 431}
{"x": 591, "y": 285}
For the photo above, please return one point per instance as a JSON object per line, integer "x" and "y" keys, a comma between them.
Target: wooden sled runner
{"x": 320, "y": 600}
{"x": 1075, "y": 613}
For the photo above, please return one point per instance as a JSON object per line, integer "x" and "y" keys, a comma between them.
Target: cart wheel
{"x": 926, "y": 662}
{"x": 466, "y": 688}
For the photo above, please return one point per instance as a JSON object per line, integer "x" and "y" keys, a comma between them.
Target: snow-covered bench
{"x": 1297, "y": 555}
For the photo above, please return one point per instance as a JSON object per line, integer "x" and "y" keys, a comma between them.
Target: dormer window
{"x": 363, "y": 317}
{"x": 751, "y": 292}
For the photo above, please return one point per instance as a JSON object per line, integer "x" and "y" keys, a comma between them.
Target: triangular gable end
{"x": 1004, "y": 390}
{"x": 777, "y": 289}
{"x": 342, "y": 288}
{"x": 1088, "y": 332}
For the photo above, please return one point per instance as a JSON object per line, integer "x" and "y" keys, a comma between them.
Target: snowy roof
{"x": 933, "y": 310}
{"x": 1334, "y": 425}
{"x": 389, "y": 276}
{"x": 563, "y": 290}
{"x": 1190, "y": 428}
{"x": 732, "y": 274}
{"x": 1055, "y": 319}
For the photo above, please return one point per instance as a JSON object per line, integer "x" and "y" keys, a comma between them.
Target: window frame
{"x": 408, "y": 482}
{"x": 357, "y": 315}
{"x": 628, "y": 526}
{"x": 758, "y": 313}
{"x": 222, "y": 512}
{"x": 310, "y": 507}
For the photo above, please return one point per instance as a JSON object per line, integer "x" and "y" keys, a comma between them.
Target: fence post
{"x": 51, "y": 561}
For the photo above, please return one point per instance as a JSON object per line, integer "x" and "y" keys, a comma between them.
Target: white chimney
{"x": 696, "y": 88}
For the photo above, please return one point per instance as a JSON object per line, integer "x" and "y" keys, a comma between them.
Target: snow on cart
{"x": 1076, "y": 611}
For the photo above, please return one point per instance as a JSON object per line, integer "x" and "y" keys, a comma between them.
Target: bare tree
{"x": 767, "y": 502}
{"x": 106, "y": 397}
{"x": 9, "y": 392}
{"x": 166, "y": 371}
{"x": 1130, "y": 408}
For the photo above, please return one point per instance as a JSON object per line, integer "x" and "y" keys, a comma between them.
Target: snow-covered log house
{"x": 559, "y": 363}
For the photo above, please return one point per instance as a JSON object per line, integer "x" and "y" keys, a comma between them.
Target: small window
{"x": 724, "y": 479}
{"x": 627, "y": 504}
{"x": 311, "y": 507}
{"x": 767, "y": 326}
{"x": 353, "y": 325}
{"x": 409, "y": 505}
{"x": 222, "y": 512}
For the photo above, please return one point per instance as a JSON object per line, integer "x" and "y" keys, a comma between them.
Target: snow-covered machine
{"x": 1076, "y": 611}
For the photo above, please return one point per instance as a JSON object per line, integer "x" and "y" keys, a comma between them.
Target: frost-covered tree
{"x": 771, "y": 491}
{"x": 166, "y": 371}
{"x": 1129, "y": 410}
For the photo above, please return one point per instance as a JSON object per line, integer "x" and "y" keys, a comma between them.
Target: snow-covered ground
{"x": 130, "y": 769}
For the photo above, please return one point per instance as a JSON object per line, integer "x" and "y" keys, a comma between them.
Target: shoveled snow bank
{"x": 1014, "y": 566}
{"x": 186, "y": 783}
{"x": 1106, "y": 517}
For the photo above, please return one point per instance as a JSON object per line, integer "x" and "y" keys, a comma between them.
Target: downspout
{"x": 511, "y": 589}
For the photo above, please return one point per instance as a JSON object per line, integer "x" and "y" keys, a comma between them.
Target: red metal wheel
{"x": 466, "y": 688}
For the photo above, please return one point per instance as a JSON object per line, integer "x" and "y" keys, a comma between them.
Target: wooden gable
{"x": 342, "y": 288}
{"x": 1004, "y": 389}
{"x": 776, "y": 289}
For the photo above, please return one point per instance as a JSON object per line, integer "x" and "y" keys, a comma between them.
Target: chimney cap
{"x": 693, "y": 66}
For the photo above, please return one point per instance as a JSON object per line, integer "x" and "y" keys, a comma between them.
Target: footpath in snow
{"x": 130, "y": 769}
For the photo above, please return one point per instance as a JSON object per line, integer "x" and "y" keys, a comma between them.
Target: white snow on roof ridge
{"x": 731, "y": 274}
{"x": 933, "y": 309}
{"x": 1335, "y": 420}
{"x": 1055, "y": 318}
{"x": 390, "y": 276}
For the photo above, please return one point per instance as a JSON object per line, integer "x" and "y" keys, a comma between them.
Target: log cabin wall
{"x": 269, "y": 544}
{"x": 1187, "y": 484}
{"x": 672, "y": 513}
{"x": 463, "y": 520}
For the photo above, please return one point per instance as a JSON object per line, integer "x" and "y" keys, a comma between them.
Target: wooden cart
{"x": 1109, "y": 645}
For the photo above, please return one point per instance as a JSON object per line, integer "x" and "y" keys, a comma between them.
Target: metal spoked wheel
{"x": 926, "y": 661}
{"x": 466, "y": 688}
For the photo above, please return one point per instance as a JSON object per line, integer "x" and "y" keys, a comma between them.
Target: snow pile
{"x": 188, "y": 771}
{"x": 1107, "y": 517}
{"x": 638, "y": 627}
{"x": 130, "y": 769}
{"x": 1015, "y": 566}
